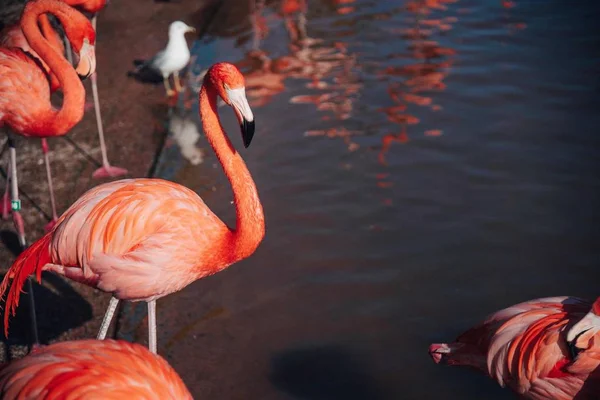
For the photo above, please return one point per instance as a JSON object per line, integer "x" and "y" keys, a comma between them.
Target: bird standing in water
{"x": 173, "y": 58}
{"x": 142, "y": 239}
{"x": 82, "y": 369}
{"x": 531, "y": 348}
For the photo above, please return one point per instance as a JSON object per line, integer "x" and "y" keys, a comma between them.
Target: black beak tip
{"x": 247, "y": 128}
{"x": 85, "y": 76}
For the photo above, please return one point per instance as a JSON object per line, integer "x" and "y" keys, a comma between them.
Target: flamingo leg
{"x": 152, "y": 326}
{"x": 5, "y": 198}
{"x": 106, "y": 170}
{"x": 49, "y": 226}
{"x": 19, "y": 225}
{"x": 170, "y": 91}
{"x": 108, "y": 316}
{"x": 177, "y": 83}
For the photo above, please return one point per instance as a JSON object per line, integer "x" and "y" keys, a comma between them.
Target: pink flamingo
{"x": 13, "y": 36}
{"x": 142, "y": 239}
{"x": 24, "y": 93}
{"x": 107, "y": 369}
{"x": 531, "y": 348}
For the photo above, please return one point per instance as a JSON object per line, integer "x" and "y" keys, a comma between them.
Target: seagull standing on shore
{"x": 173, "y": 58}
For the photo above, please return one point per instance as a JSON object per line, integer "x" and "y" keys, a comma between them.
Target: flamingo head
{"x": 582, "y": 332}
{"x": 229, "y": 84}
{"x": 82, "y": 36}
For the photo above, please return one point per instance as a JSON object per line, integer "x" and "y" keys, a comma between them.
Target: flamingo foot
{"x": 50, "y": 225}
{"x": 35, "y": 348}
{"x": 109, "y": 172}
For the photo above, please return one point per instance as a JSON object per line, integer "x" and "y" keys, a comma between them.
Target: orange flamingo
{"x": 530, "y": 348}
{"x": 142, "y": 239}
{"x": 13, "y": 36}
{"x": 24, "y": 92}
{"x": 107, "y": 369}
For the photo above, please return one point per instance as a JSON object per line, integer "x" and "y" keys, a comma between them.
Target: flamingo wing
{"x": 137, "y": 238}
{"x": 524, "y": 348}
{"x": 91, "y": 369}
{"x": 528, "y": 352}
{"x": 24, "y": 90}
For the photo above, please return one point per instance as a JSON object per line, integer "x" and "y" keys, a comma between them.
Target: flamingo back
{"x": 139, "y": 239}
{"x": 524, "y": 348}
{"x": 91, "y": 369}
{"x": 24, "y": 92}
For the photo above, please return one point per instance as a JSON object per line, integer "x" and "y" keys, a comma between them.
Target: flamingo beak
{"x": 582, "y": 332}
{"x": 239, "y": 102}
{"x": 87, "y": 61}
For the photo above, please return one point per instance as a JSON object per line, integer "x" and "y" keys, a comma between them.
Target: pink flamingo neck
{"x": 61, "y": 121}
{"x": 250, "y": 224}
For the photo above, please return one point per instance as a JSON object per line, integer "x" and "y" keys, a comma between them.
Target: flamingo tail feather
{"x": 31, "y": 260}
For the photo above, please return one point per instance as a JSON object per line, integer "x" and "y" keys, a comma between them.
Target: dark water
{"x": 419, "y": 168}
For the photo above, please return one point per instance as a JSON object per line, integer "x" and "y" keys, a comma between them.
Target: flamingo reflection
{"x": 411, "y": 85}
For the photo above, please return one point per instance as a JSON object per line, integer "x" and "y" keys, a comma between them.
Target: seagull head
{"x": 179, "y": 28}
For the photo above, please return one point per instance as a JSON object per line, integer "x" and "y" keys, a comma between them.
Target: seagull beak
{"x": 583, "y": 330}
{"x": 190, "y": 29}
{"x": 237, "y": 99}
{"x": 87, "y": 60}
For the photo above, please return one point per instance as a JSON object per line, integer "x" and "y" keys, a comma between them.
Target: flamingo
{"x": 24, "y": 92}
{"x": 172, "y": 58}
{"x": 107, "y": 369}
{"x": 142, "y": 239}
{"x": 13, "y": 36}
{"x": 530, "y": 348}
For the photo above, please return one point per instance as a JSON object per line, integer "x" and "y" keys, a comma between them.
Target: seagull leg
{"x": 51, "y": 224}
{"x": 177, "y": 83}
{"x": 170, "y": 91}
{"x": 152, "y": 326}
{"x": 110, "y": 311}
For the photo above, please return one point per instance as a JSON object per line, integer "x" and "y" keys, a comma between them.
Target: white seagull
{"x": 173, "y": 58}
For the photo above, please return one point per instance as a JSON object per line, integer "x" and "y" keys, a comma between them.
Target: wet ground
{"x": 421, "y": 164}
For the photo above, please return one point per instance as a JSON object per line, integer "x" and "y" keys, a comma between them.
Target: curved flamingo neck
{"x": 49, "y": 33}
{"x": 250, "y": 224}
{"x": 61, "y": 121}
